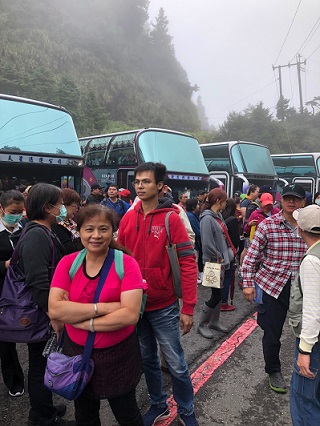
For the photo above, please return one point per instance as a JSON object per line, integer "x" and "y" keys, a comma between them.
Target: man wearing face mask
{"x": 11, "y": 208}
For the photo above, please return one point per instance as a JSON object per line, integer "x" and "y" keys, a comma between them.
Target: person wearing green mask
{"x": 11, "y": 208}
{"x": 66, "y": 229}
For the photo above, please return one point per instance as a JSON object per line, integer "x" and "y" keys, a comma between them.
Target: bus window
{"x": 250, "y": 158}
{"x": 178, "y": 152}
{"x": 217, "y": 158}
{"x": 121, "y": 150}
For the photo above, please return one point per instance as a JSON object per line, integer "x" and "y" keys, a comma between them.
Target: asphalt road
{"x": 235, "y": 394}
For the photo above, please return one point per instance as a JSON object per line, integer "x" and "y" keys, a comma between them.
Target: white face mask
{"x": 317, "y": 201}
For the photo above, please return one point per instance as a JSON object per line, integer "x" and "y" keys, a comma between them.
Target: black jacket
{"x": 37, "y": 262}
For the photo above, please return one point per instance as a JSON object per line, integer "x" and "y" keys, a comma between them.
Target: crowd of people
{"x": 251, "y": 235}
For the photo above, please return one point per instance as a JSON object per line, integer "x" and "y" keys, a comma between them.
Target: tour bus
{"x": 38, "y": 143}
{"x": 236, "y": 164}
{"x": 113, "y": 157}
{"x": 302, "y": 168}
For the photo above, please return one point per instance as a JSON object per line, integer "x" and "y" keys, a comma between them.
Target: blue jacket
{"x": 195, "y": 225}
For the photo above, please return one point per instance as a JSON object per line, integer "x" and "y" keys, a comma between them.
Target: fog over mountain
{"x": 228, "y": 48}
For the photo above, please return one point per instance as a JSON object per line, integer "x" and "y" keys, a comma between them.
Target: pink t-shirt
{"x": 81, "y": 289}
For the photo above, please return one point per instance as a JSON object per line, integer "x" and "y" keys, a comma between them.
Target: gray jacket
{"x": 214, "y": 244}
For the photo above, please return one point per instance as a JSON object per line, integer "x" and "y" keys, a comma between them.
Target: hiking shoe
{"x": 155, "y": 414}
{"x": 16, "y": 391}
{"x": 225, "y": 307}
{"x": 33, "y": 418}
{"x": 277, "y": 383}
{"x": 188, "y": 420}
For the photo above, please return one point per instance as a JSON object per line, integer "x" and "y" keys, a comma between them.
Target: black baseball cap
{"x": 202, "y": 191}
{"x": 95, "y": 186}
{"x": 294, "y": 189}
{"x": 266, "y": 189}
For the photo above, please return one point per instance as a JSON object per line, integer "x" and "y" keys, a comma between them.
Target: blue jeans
{"x": 305, "y": 393}
{"x": 163, "y": 326}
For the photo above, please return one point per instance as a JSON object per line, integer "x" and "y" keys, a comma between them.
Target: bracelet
{"x": 91, "y": 325}
{"x": 303, "y": 352}
{"x": 96, "y": 309}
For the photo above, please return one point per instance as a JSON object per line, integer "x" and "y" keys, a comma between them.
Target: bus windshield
{"x": 36, "y": 128}
{"x": 250, "y": 158}
{"x": 178, "y": 152}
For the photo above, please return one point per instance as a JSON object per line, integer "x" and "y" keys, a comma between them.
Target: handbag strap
{"x": 15, "y": 254}
{"x": 104, "y": 273}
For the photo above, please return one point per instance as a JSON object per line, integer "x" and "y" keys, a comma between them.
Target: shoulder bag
{"x": 21, "y": 318}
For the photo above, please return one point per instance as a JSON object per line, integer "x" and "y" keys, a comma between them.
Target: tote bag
{"x": 211, "y": 274}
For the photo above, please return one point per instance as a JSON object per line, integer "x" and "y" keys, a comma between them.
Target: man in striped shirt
{"x": 272, "y": 261}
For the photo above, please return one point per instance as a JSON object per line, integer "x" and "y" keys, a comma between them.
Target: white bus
{"x": 236, "y": 164}
{"x": 38, "y": 143}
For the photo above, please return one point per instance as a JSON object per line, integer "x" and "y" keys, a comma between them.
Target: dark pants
{"x": 216, "y": 296}
{"x": 271, "y": 317}
{"x": 40, "y": 396}
{"x": 10, "y": 366}
{"x": 227, "y": 282}
{"x": 124, "y": 408}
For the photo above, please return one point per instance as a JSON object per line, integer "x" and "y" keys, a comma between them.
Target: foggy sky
{"x": 228, "y": 48}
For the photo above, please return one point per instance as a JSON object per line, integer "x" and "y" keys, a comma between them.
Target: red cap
{"x": 125, "y": 193}
{"x": 266, "y": 199}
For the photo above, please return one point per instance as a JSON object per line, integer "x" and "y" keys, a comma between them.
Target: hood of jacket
{"x": 209, "y": 212}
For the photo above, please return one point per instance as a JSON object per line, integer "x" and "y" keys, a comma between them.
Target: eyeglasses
{"x": 143, "y": 182}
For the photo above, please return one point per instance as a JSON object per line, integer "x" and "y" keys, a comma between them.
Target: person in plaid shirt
{"x": 271, "y": 263}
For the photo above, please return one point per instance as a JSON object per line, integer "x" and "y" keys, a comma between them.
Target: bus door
{"x": 308, "y": 184}
{"x": 222, "y": 178}
{"x": 125, "y": 178}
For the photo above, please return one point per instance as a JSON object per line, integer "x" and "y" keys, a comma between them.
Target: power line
{"x": 288, "y": 31}
{"x": 309, "y": 36}
{"x": 313, "y": 52}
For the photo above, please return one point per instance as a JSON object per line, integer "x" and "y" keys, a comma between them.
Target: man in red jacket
{"x": 142, "y": 230}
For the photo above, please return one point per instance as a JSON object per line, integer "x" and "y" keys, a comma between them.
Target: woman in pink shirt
{"x": 116, "y": 353}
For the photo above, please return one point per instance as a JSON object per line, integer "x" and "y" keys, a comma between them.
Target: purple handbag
{"x": 68, "y": 375}
{"x": 21, "y": 319}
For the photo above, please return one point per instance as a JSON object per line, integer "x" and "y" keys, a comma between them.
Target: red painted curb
{"x": 206, "y": 370}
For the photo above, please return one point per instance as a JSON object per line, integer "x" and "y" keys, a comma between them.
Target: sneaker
{"x": 277, "y": 383}
{"x": 16, "y": 391}
{"x": 188, "y": 420}
{"x": 225, "y": 307}
{"x": 33, "y": 418}
{"x": 155, "y": 414}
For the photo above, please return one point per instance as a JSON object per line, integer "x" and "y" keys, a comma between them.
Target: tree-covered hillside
{"x": 100, "y": 59}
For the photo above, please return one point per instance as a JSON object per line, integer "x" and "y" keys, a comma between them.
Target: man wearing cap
{"x": 304, "y": 318}
{"x": 272, "y": 262}
{"x": 96, "y": 194}
{"x": 201, "y": 196}
{"x": 113, "y": 202}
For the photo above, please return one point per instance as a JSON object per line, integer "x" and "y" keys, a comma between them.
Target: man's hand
{"x": 186, "y": 323}
{"x": 249, "y": 294}
{"x": 303, "y": 362}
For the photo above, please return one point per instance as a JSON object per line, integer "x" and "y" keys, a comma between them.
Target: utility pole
{"x": 298, "y": 63}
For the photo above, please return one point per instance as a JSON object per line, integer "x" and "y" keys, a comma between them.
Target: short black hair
{"x": 11, "y": 196}
{"x": 159, "y": 170}
{"x": 39, "y": 197}
{"x": 191, "y": 204}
